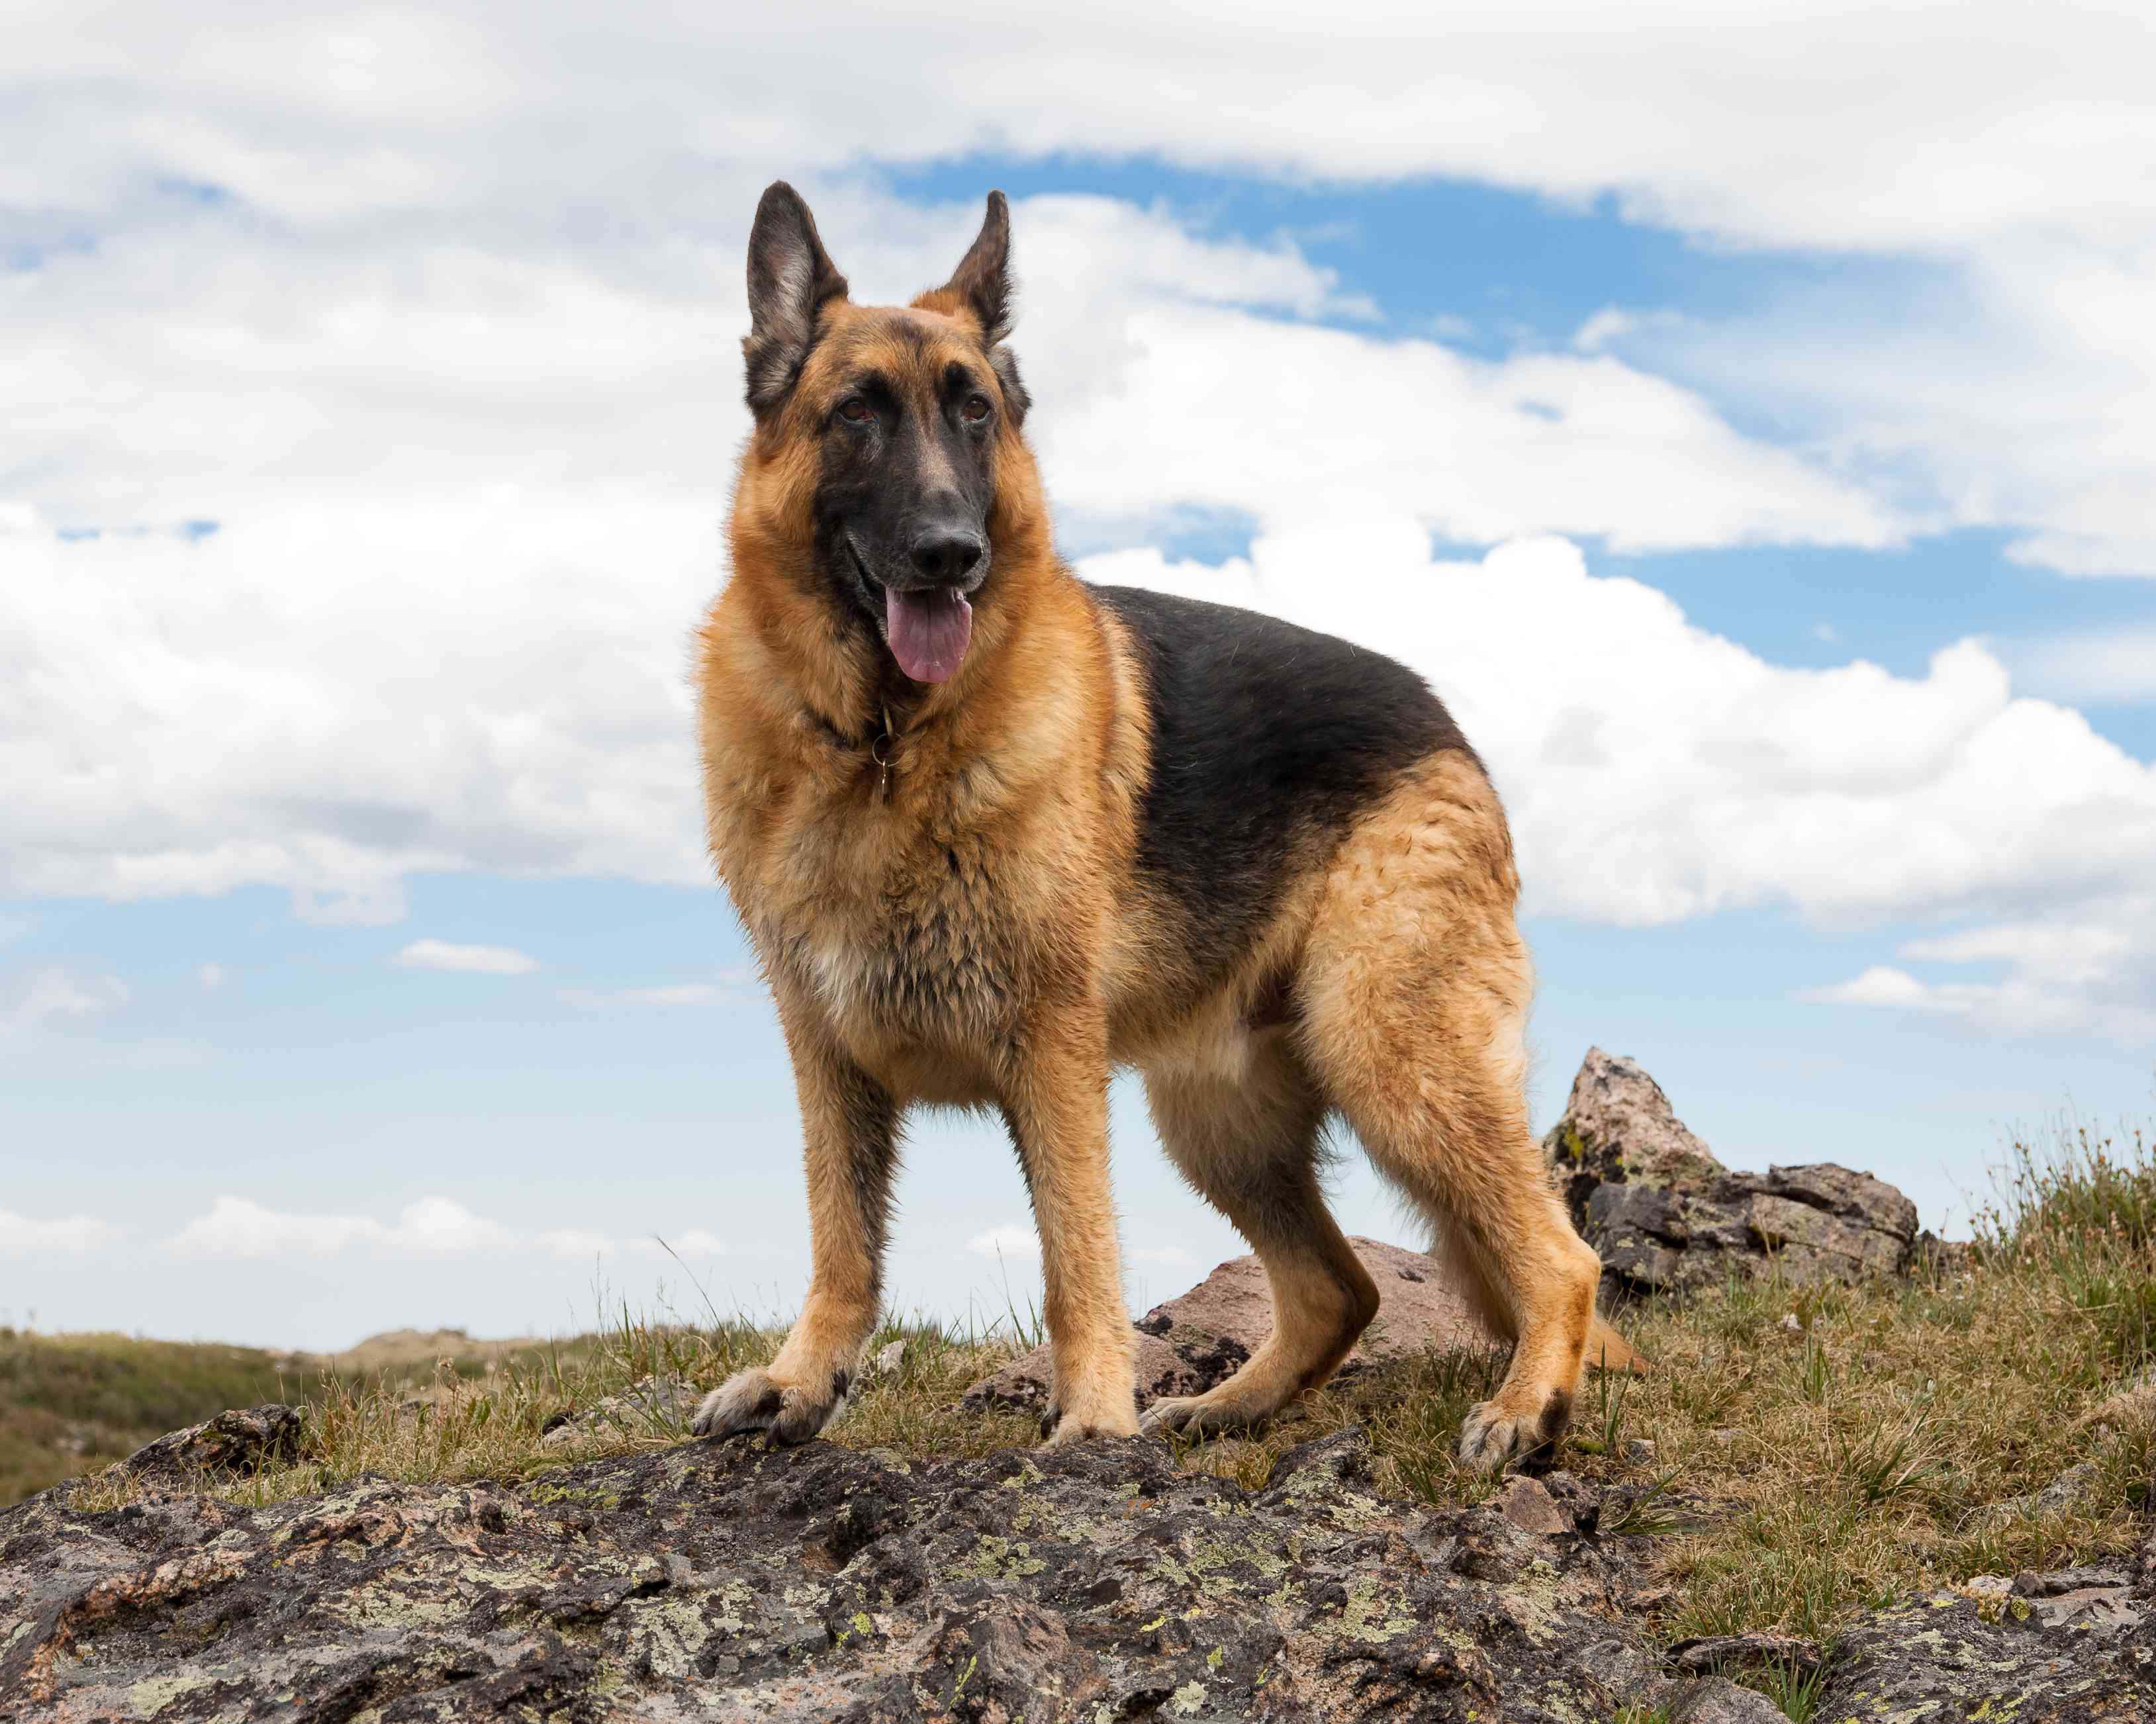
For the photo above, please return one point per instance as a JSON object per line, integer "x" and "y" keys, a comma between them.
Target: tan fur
{"x": 971, "y": 932}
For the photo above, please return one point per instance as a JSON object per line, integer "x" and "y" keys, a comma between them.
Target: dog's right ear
{"x": 790, "y": 276}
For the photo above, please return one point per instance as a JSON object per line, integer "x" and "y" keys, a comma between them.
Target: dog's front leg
{"x": 1057, "y": 1114}
{"x": 849, "y": 1143}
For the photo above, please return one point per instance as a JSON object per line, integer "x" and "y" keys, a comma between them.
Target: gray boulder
{"x": 243, "y": 1441}
{"x": 1667, "y": 1216}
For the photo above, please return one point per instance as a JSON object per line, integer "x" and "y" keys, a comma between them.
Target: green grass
{"x": 70, "y": 1403}
{"x": 1798, "y": 1470}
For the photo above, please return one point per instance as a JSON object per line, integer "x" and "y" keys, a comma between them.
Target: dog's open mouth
{"x": 928, "y": 631}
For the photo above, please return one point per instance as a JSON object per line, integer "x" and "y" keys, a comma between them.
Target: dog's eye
{"x": 854, "y": 411}
{"x": 976, "y": 408}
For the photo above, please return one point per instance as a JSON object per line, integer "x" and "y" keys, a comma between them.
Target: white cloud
{"x": 2059, "y": 952}
{"x": 1226, "y": 410}
{"x": 1164, "y": 1256}
{"x": 1612, "y": 323}
{"x": 1883, "y": 985}
{"x": 240, "y": 1227}
{"x": 2006, "y": 150}
{"x": 437, "y": 1225}
{"x": 432, "y": 1226}
{"x": 55, "y": 994}
{"x": 1012, "y": 1239}
{"x": 1994, "y": 118}
{"x": 474, "y": 960}
{"x": 25, "y": 1236}
{"x": 2096, "y": 973}
{"x": 211, "y": 975}
{"x": 2097, "y": 666}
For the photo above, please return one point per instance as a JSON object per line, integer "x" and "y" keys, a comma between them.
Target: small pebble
{"x": 1792, "y": 1325}
{"x": 1639, "y": 1450}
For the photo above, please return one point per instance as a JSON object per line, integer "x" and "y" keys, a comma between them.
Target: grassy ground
{"x": 73, "y": 1403}
{"x": 1806, "y": 1451}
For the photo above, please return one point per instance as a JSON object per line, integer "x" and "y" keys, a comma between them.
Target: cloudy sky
{"x": 1742, "y": 418}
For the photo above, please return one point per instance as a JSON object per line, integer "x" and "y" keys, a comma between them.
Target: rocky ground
{"x": 688, "y": 1580}
{"x": 731, "y": 1582}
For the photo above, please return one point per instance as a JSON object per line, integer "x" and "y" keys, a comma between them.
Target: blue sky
{"x": 1764, "y": 493}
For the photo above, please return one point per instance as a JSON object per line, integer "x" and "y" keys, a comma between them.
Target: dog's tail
{"x": 1609, "y": 1351}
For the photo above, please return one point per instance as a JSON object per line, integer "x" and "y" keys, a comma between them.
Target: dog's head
{"x": 885, "y": 435}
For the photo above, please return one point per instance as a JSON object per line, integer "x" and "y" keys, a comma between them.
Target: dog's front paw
{"x": 1496, "y": 1432}
{"x": 1105, "y": 1417}
{"x": 757, "y": 1401}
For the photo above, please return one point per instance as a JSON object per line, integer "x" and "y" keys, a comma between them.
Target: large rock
{"x": 1947, "y": 1658}
{"x": 1667, "y": 1216}
{"x": 1192, "y": 1342}
{"x": 1619, "y": 1126}
{"x": 245, "y": 1439}
{"x": 730, "y": 1581}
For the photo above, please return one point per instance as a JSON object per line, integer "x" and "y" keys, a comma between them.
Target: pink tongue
{"x": 928, "y": 631}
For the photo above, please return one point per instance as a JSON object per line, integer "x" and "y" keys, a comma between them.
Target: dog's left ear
{"x": 981, "y": 284}
{"x": 982, "y": 281}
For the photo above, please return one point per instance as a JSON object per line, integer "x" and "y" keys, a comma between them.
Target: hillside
{"x": 75, "y": 1403}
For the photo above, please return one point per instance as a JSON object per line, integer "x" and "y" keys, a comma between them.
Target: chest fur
{"x": 908, "y": 930}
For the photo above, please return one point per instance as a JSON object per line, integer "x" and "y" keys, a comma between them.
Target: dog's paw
{"x": 757, "y": 1401}
{"x": 1059, "y": 1428}
{"x": 1198, "y": 1416}
{"x": 1493, "y": 1433}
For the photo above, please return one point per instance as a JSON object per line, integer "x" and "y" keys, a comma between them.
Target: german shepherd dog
{"x": 994, "y": 832}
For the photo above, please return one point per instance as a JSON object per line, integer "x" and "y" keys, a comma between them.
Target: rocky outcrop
{"x": 1666, "y": 1216}
{"x": 244, "y": 1440}
{"x": 728, "y": 1581}
{"x": 1192, "y": 1342}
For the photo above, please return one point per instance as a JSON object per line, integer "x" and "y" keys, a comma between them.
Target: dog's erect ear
{"x": 982, "y": 280}
{"x": 983, "y": 286}
{"x": 790, "y": 276}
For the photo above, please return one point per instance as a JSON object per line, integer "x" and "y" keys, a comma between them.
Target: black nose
{"x": 946, "y": 553}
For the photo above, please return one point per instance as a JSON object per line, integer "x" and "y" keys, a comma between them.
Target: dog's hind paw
{"x": 755, "y": 1400}
{"x": 1200, "y": 1416}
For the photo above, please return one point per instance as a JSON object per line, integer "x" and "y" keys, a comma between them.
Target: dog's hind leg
{"x": 1415, "y": 993}
{"x": 1249, "y": 1145}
